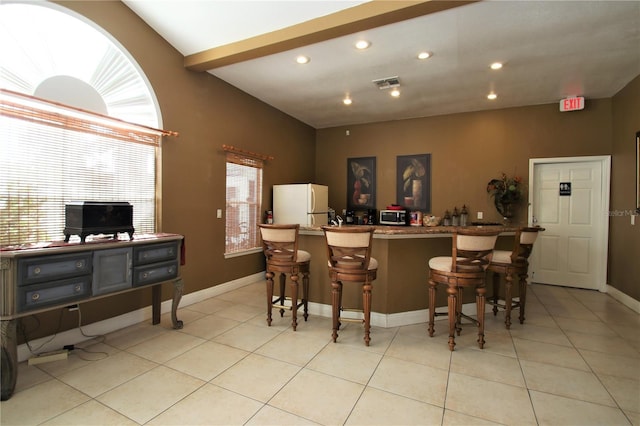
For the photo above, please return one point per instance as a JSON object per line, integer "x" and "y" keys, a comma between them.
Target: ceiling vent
{"x": 387, "y": 83}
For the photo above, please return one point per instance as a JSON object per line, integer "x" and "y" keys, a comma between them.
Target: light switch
{"x": 219, "y": 213}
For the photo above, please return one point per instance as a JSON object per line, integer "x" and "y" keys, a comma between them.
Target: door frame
{"x": 605, "y": 161}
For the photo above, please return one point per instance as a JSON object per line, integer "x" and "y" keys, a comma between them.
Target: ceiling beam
{"x": 363, "y": 17}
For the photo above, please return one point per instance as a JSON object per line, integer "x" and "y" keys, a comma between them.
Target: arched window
{"x": 52, "y": 53}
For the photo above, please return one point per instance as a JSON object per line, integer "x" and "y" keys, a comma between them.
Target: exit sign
{"x": 572, "y": 104}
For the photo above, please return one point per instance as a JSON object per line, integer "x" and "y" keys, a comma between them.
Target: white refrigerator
{"x": 304, "y": 203}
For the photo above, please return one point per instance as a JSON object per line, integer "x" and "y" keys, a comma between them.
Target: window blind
{"x": 243, "y": 202}
{"x": 51, "y": 157}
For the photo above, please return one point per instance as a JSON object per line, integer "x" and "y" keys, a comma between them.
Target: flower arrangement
{"x": 506, "y": 191}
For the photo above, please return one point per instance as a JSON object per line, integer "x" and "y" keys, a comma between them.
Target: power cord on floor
{"x": 100, "y": 338}
{"x": 22, "y": 327}
{"x": 35, "y": 351}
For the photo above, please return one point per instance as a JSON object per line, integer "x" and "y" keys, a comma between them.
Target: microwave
{"x": 393, "y": 217}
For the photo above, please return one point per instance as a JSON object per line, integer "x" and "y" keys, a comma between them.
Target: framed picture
{"x": 414, "y": 182}
{"x": 361, "y": 183}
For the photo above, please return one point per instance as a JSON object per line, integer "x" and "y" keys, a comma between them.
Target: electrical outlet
{"x": 480, "y": 215}
{"x": 219, "y": 213}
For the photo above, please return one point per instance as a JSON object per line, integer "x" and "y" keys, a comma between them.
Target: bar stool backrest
{"x": 523, "y": 245}
{"x": 280, "y": 243}
{"x": 472, "y": 250}
{"x": 349, "y": 249}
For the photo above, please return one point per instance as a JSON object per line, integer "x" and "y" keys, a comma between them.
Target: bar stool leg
{"x": 523, "y": 296}
{"x": 496, "y": 289}
{"x": 432, "y": 306}
{"x": 283, "y": 279}
{"x": 507, "y": 298}
{"x": 340, "y": 307}
{"x": 452, "y": 304}
{"x": 480, "y": 302}
{"x": 269, "y": 276}
{"x": 305, "y": 294}
{"x": 336, "y": 296}
{"x": 366, "y": 303}
{"x": 294, "y": 301}
{"x": 459, "y": 310}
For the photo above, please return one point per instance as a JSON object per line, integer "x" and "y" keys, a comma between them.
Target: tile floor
{"x": 576, "y": 361}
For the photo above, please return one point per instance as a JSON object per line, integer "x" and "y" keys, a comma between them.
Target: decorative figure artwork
{"x": 414, "y": 182}
{"x": 361, "y": 183}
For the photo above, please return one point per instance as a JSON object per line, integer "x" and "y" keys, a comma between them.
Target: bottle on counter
{"x": 446, "y": 220}
{"x": 455, "y": 218}
{"x": 464, "y": 216}
{"x": 269, "y": 217}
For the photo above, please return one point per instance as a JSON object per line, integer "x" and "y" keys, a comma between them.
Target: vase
{"x": 506, "y": 210}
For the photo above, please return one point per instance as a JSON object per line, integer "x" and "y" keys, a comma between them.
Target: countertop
{"x": 392, "y": 232}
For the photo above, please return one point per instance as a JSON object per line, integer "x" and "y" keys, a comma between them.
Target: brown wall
{"x": 467, "y": 150}
{"x": 624, "y": 245}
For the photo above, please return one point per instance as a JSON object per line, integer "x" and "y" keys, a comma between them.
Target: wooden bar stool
{"x": 349, "y": 252}
{"x": 472, "y": 249}
{"x": 280, "y": 246}
{"x": 510, "y": 264}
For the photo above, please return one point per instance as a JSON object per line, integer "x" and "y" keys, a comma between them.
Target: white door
{"x": 570, "y": 199}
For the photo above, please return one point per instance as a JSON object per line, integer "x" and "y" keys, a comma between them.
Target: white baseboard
{"x": 624, "y": 298}
{"x": 75, "y": 336}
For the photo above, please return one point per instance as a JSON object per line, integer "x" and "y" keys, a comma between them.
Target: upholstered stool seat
{"x": 280, "y": 247}
{"x": 349, "y": 254}
{"x": 509, "y": 264}
{"x": 471, "y": 253}
{"x": 441, "y": 263}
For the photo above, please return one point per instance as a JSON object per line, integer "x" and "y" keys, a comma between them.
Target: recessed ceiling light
{"x": 424, "y": 55}
{"x": 303, "y": 59}
{"x": 496, "y": 65}
{"x": 395, "y": 93}
{"x": 347, "y": 101}
{"x": 362, "y": 44}
{"x": 492, "y": 96}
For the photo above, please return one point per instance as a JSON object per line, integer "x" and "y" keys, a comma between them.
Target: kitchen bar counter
{"x": 400, "y": 294}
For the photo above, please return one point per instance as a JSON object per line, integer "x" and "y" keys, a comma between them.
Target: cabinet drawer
{"x": 153, "y": 253}
{"x": 53, "y": 293}
{"x": 143, "y": 275}
{"x": 56, "y": 267}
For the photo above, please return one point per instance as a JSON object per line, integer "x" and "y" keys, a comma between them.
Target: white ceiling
{"x": 551, "y": 50}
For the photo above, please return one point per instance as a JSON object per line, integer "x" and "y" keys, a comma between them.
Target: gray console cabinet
{"x": 59, "y": 274}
